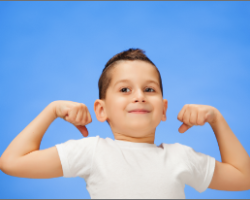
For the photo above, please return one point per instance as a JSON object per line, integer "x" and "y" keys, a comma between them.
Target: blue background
{"x": 56, "y": 51}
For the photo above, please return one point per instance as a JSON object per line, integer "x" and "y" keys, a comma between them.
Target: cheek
{"x": 158, "y": 108}
{"x": 116, "y": 107}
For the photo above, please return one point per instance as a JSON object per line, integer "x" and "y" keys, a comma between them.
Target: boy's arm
{"x": 22, "y": 157}
{"x": 233, "y": 173}
{"x": 30, "y": 138}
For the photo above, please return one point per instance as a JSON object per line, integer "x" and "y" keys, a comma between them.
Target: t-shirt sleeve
{"x": 200, "y": 169}
{"x": 76, "y": 156}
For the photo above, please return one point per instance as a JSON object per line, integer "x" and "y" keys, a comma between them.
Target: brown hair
{"x": 130, "y": 54}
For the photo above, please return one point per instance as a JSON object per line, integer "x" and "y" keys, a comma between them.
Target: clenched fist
{"x": 75, "y": 113}
{"x": 193, "y": 114}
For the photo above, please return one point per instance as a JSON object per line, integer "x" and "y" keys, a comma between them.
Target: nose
{"x": 139, "y": 96}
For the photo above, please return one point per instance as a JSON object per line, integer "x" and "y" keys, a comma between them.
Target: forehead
{"x": 135, "y": 70}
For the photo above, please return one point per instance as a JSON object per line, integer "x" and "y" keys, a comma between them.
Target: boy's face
{"x": 134, "y": 85}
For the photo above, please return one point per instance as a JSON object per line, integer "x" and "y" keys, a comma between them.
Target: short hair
{"x": 130, "y": 54}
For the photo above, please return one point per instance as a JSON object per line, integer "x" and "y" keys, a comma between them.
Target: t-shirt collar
{"x": 134, "y": 144}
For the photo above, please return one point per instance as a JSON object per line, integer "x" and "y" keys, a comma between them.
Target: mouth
{"x": 139, "y": 111}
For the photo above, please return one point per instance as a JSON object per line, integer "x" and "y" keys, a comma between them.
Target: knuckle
{"x": 192, "y": 121}
{"x": 89, "y": 119}
{"x": 77, "y": 107}
{"x": 82, "y": 106}
{"x": 86, "y": 117}
{"x": 78, "y": 120}
{"x": 185, "y": 121}
{"x": 69, "y": 119}
{"x": 199, "y": 122}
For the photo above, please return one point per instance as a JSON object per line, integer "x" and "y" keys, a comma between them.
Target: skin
{"x": 136, "y": 93}
{"x": 23, "y": 158}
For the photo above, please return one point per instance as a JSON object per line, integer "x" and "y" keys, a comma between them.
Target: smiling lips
{"x": 139, "y": 111}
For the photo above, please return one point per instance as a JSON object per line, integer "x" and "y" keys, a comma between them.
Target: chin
{"x": 137, "y": 129}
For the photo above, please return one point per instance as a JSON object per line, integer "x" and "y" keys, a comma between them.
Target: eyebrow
{"x": 126, "y": 80}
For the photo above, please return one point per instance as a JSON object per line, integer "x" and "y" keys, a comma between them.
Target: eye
{"x": 152, "y": 90}
{"x": 123, "y": 89}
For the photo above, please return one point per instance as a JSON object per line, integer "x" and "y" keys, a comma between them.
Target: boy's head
{"x": 129, "y": 55}
{"x": 130, "y": 82}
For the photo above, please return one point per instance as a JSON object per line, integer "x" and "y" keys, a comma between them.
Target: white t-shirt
{"x": 120, "y": 169}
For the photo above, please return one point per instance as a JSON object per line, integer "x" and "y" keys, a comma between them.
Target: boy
{"x": 131, "y": 166}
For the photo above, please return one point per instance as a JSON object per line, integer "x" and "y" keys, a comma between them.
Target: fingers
{"x": 191, "y": 115}
{"x": 65, "y": 113}
{"x": 78, "y": 114}
{"x": 200, "y": 119}
{"x": 186, "y": 115}
{"x": 72, "y": 114}
{"x": 193, "y": 118}
{"x": 86, "y": 116}
{"x": 75, "y": 113}
{"x": 183, "y": 128}
{"x": 83, "y": 130}
{"x": 89, "y": 118}
{"x": 180, "y": 115}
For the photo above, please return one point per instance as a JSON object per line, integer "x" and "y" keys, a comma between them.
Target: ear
{"x": 165, "y": 107}
{"x": 100, "y": 112}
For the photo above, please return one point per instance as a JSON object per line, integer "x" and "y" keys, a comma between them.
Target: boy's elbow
{"x": 249, "y": 184}
{"x": 2, "y": 165}
{"x": 5, "y": 165}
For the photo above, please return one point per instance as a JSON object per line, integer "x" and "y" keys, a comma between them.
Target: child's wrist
{"x": 52, "y": 106}
{"x": 217, "y": 117}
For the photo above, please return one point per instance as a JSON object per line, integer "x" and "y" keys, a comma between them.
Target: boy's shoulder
{"x": 177, "y": 149}
{"x": 109, "y": 143}
{"x": 175, "y": 146}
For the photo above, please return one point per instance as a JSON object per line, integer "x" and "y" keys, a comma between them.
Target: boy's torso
{"x": 125, "y": 171}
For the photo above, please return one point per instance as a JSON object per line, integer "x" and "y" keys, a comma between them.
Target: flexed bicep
{"x": 37, "y": 164}
{"x": 226, "y": 177}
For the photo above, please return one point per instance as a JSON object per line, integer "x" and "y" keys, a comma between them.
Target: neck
{"x": 145, "y": 139}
